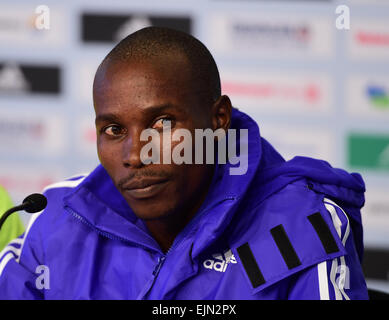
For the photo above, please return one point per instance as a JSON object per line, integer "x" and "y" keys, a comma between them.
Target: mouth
{"x": 145, "y": 189}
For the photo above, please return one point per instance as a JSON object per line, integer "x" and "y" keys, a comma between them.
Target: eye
{"x": 114, "y": 130}
{"x": 162, "y": 123}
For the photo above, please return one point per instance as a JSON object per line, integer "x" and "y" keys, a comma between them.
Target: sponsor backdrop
{"x": 316, "y": 88}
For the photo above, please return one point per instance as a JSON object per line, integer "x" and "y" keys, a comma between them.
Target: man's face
{"x": 130, "y": 98}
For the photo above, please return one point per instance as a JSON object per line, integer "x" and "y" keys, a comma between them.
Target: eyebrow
{"x": 106, "y": 117}
{"x": 161, "y": 108}
{"x": 152, "y": 110}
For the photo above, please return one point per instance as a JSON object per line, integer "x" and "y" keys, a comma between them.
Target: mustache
{"x": 144, "y": 174}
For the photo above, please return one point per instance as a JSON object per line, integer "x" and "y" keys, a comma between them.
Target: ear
{"x": 221, "y": 113}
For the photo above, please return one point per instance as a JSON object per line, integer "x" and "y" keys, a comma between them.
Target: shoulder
{"x": 64, "y": 187}
{"x": 55, "y": 193}
{"x": 292, "y": 230}
{"x": 29, "y": 246}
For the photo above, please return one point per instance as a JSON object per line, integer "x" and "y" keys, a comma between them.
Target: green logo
{"x": 368, "y": 151}
{"x": 378, "y": 96}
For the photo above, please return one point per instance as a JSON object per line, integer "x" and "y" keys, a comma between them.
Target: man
{"x": 140, "y": 229}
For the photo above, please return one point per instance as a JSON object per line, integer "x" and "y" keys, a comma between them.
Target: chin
{"x": 149, "y": 209}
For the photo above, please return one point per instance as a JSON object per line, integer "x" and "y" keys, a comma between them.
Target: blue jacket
{"x": 284, "y": 230}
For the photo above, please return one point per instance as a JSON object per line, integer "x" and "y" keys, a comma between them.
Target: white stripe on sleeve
{"x": 327, "y": 278}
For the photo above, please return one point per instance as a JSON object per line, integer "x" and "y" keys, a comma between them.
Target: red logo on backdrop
{"x": 311, "y": 93}
{"x": 90, "y": 135}
{"x": 37, "y": 130}
{"x": 372, "y": 38}
{"x": 308, "y": 93}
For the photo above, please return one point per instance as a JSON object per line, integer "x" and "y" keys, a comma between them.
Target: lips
{"x": 144, "y": 188}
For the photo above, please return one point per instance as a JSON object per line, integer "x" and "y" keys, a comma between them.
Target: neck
{"x": 166, "y": 229}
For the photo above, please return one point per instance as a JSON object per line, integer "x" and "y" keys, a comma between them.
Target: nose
{"x": 131, "y": 149}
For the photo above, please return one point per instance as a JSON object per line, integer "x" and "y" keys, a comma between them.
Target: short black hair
{"x": 151, "y": 42}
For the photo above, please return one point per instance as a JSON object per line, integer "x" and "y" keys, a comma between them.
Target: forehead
{"x": 139, "y": 84}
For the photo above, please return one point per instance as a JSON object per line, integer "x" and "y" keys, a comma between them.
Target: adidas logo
{"x": 220, "y": 261}
{"x": 12, "y": 79}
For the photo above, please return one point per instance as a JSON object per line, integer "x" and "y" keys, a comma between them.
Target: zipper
{"x": 187, "y": 229}
{"x": 162, "y": 256}
{"x": 103, "y": 233}
{"x": 158, "y": 266}
{"x": 180, "y": 237}
{"x": 108, "y": 235}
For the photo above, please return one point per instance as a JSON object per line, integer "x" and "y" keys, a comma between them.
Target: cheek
{"x": 108, "y": 156}
{"x": 101, "y": 151}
